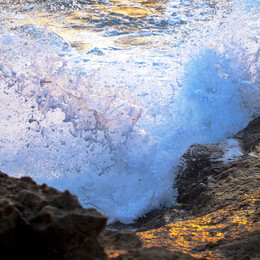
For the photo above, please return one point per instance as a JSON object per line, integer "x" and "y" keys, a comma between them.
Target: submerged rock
{"x": 40, "y": 222}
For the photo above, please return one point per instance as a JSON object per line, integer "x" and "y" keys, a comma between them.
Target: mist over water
{"x": 103, "y": 98}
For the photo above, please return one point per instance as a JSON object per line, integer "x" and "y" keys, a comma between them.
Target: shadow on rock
{"x": 40, "y": 222}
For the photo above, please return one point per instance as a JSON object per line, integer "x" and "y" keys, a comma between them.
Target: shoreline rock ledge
{"x": 40, "y": 222}
{"x": 216, "y": 217}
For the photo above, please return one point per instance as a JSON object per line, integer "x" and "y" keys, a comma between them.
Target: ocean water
{"x": 103, "y": 97}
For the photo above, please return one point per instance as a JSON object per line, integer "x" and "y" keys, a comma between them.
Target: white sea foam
{"x": 112, "y": 129}
{"x": 232, "y": 150}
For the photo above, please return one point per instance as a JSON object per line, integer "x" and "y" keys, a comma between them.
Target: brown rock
{"x": 201, "y": 167}
{"x": 40, "y": 222}
{"x": 217, "y": 216}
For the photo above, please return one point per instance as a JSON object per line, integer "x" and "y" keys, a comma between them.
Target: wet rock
{"x": 246, "y": 247}
{"x": 153, "y": 219}
{"x": 154, "y": 253}
{"x": 40, "y": 222}
{"x": 195, "y": 173}
{"x": 120, "y": 240}
{"x": 202, "y": 167}
{"x": 249, "y": 136}
{"x": 217, "y": 214}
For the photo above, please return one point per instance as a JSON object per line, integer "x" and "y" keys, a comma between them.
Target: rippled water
{"x": 103, "y": 97}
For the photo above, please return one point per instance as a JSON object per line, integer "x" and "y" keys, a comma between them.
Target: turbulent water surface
{"x": 103, "y": 97}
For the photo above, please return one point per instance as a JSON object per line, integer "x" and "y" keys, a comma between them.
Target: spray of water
{"x": 111, "y": 125}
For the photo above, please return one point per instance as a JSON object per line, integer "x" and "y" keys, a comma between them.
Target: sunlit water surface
{"x": 103, "y": 97}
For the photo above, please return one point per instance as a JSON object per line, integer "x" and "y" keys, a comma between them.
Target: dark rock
{"x": 154, "y": 253}
{"x": 120, "y": 240}
{"x": 247, "y": 247}
{"x": 40, "y": 222}
{"x": 249, "y": 136}
{"x": 195, "y": 171}
{"x": 153, "y": 219}
{"x": 201, "y": 167}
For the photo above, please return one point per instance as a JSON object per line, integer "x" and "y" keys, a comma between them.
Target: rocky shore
{"x": 40, "y": 222}
{"x": 216, "y": 215}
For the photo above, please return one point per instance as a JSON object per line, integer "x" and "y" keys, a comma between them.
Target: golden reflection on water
{"x": 130, "y": 11}
{"x": 120, "y": 23}
{"x": 75, "y": 24}
{"x": 188, "y": 235}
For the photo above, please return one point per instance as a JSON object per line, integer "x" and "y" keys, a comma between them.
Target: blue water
{"x": 103, "y": 98}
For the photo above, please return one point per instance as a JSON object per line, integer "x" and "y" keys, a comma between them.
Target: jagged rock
{"x": 218, "y": 213}
{"x": 40, "y": 222}
{"x": 195, "y": 171}
{"x": 249, "y": 136}
{"x": 201, "y": 165}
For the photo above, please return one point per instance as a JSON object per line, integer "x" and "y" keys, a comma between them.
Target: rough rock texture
{"x": 39, "y": 222}
{"x": 119, "y": 240}
{"x": 154, "y": 253}
{"x": 202, "y": 174}
{"x": 218, "y": 210}
{"x": 217, "y": 215}
{"x": 249, "y": 136}
{"x": 196, "y": 170}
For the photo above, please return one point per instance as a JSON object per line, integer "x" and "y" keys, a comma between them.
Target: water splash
{"x": 110, "y": 124}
